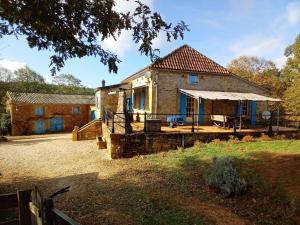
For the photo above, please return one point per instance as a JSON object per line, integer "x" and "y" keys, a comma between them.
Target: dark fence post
{"x": 113, "y": 123}
{"x": 145, "y": 118}
{"x": 24, "y": 211}
{"x": 234, "y": 125}
{"x": 270, "y": 131}
{"x": 193, "y": 121}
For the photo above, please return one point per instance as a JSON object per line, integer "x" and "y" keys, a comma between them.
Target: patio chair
{"x": 222, "y": 121}
{"x": 175, "y": 120}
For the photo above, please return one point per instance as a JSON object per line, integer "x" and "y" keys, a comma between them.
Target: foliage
{"x": 258, "y": 70}
{"x": 199, "y": 144}
{"x": 248, "y": 138}
{"x": 76, "y": 28}
{"x": 292, "y": 68}
{"x": 28, "y": 75}
{"x": 223, "y": 176}
{"x": 5, "y": 75}
{"x": 291, "y": 78}
{"x": 67, "y": 80}
{"x": 4, "y": 123}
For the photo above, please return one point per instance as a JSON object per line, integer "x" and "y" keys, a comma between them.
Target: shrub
{"x": 265, "y": 137}
{"x": 198, "y": 144}
{"x": 216, "y": 141}
{"x": 222, "y": 176}
{"x": 248, "y": 138}
{"x": 233, "y": 140}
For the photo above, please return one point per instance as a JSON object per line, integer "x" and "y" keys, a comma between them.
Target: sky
{"x": 219, "y": 29}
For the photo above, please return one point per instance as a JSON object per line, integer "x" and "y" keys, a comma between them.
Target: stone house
{"x": 35, "y": 113}
{"x": 187, "y": 82}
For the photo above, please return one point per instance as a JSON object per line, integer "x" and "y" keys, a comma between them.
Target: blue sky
{"x": 220, "y": 29}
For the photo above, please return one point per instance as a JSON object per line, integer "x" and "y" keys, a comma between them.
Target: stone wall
{"x": 23, "y": 118}
{"x": 120, "y": 146}
{"x": 170, "y": 82}
{"x": 90, "y": 131}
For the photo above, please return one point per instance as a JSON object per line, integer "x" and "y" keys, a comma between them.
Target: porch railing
{"x": 138, "y": 121}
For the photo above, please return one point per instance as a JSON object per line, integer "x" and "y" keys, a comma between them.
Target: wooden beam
{"x": 10, "y": 222}
{"x": 63, "y": 218}
{"x": 24, "y": 212}
{"x": 8, "y": 201}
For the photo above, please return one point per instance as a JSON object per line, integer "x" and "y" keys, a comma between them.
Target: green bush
{"x": 222, "y": 176}
{"x": 4, "y": 124}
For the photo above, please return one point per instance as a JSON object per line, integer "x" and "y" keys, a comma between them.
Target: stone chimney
{"x": 103, "y": 83}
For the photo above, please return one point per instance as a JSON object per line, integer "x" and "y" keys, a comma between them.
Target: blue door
{"x": 129, "y": 106}
{"x": 253, "y": 113}
{"x": 143, "y": 100}
{"x": 40, "y": 127}
{"x": 56, "y": 124}
{"x": 93, "y": 115}
{"x": 201, "y": 112}
{"x": 182, "y": 102}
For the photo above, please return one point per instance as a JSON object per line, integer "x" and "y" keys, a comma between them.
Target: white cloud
{"x": 256, "y": 45}
{"x": 293, "y": 13}
{"x": 11, "y": 65}
{"x": 124, "y": 42}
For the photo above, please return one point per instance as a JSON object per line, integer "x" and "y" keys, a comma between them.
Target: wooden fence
{"x": 32, "y": 209}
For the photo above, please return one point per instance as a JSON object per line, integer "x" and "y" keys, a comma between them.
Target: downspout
{"x": 156, "y": 95}
{"x": 240, "y": 115}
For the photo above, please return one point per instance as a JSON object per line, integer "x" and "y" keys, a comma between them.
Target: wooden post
{"x": 193, "y": 121}
{"x": 24, "y": 211}
{"x": 113, "y": 123}
{"x": 270, "y": 131}
{"x": 145, "y": 118}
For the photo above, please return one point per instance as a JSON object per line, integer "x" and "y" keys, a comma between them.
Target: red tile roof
{"x": 186, "y": 58}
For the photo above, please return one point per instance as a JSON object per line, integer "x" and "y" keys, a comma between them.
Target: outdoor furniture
{"x": 175, "y": 120}
{"x": 222, "y": 120}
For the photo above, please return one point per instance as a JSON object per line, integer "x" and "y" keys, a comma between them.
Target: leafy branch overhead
{"x": 76, "y": 28}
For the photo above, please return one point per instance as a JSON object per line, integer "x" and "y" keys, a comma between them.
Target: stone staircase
{"x": 89, "y": 131}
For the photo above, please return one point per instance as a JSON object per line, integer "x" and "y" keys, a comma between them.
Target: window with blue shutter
{"x": 76, "y": 110}
{"x": 193, "y": 78}
{"x": 39, "y": 111}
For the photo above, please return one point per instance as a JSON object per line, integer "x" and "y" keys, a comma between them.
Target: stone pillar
{"x": 122, "y": 120}
{"x": 75, "y": 134}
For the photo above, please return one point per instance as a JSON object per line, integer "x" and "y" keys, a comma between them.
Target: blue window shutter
{"x": 201, "y": 112}
{"x": 39, "y": 111}
{"x": 238, "y": 108}
{"x": 182, "y": 109}
{"x": 253, "y": 113}
{"x": 193, "y": 78}
{"x": 142, "y": 100}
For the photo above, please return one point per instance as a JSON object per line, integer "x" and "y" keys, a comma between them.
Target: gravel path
{"x": 40, "y": 157}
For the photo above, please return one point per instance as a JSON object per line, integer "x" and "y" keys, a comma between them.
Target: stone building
{"x": 187, "y": 82}
{"x": 35, "y": 113}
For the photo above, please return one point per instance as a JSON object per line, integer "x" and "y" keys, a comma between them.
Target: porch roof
{"x": 220, "y": 95}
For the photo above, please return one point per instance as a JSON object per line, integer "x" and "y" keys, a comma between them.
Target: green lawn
{"x": 271, "y": 168}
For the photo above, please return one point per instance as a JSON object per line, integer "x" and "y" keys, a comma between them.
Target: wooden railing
{"x": 29, "y": 213}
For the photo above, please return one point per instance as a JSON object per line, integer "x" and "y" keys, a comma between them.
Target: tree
{"x": 67, "y": 80}
{"x": 292, "y": 97}
{"x": 5, "y": 75}
{"x": 28, "y": 75}
{"x": 76, "y": 28}
{"x": 292, "y": 68}
{"x": 258, "y": 70}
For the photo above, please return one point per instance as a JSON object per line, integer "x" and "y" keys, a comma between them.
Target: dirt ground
{"x": 107, "y": 191}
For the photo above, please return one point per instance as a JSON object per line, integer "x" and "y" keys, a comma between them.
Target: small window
{"x": 189, "y": 106}
{"x": 76, "y": 110}
{"x": 245, "y": 108}
{"x": 39, "y": 111}
{"x": 193, "y": 78}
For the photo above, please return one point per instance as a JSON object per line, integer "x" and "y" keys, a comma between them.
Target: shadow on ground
{"x": 173, "y": 195}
